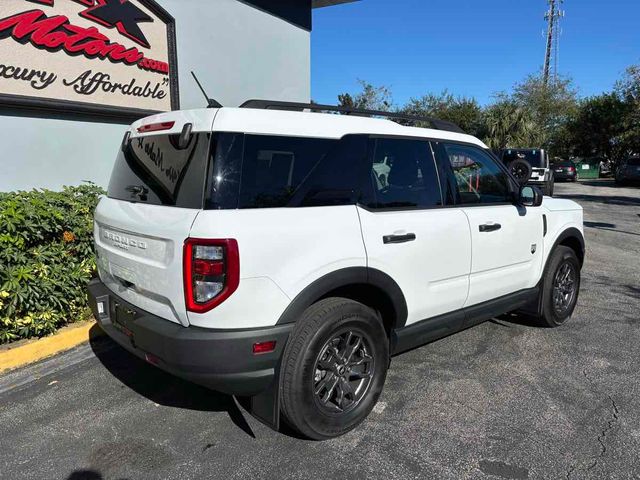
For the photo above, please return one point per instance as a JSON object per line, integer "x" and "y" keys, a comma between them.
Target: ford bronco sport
{"x": 256, "y": 251}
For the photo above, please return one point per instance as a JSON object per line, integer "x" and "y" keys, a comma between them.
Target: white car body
{"x": 451, "y": 265}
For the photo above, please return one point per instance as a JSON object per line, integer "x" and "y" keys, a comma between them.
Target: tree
{"x": 550, "y": 107}
{"x": 507, "y": 125}
{"x": 464, "y": 112}
{"x": 629, "y": 90}
{"x": 370, "y": 98}
{"x": 598, "y": 127}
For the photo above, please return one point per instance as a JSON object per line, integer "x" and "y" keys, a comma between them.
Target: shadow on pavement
{"x": 608, "y": 200}
{"x": 86, "y": 475}
{"x": 161, "y": 387}
{"x": 610, "y": 227}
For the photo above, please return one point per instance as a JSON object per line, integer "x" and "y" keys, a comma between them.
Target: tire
{"x": 314, "y": 359}
{"x": 548, "y": 189}
{"x": 554, "y": 312}
{"x": 521, "y": 170}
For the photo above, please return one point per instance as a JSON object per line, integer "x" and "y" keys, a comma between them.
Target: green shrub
{"x": 46, "y": 259}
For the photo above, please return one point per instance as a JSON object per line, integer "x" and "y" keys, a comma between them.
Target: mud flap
{"x": 265, "y": 406}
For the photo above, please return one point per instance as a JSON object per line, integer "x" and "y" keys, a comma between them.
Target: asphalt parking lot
{"x": 501, "y": 400}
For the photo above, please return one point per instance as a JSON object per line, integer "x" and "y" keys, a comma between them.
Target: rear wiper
{"x": 138, "y": 191}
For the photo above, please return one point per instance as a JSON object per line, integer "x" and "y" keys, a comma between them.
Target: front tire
{"x": 334, "y": 368}
{"x": 561, "y": 287}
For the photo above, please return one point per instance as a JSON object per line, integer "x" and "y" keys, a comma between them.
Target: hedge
{"x": 46, "y": 259}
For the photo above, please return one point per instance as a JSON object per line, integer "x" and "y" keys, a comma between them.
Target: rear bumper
{"x": 222, "y": 360}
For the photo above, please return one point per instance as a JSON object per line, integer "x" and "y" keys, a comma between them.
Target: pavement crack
{"x": 615, "y": 416}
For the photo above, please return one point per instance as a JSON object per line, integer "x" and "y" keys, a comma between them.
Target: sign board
{"x": 102, "y": 58}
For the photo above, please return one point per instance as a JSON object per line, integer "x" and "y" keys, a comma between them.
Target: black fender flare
{"x": 570, "y": 232}
{"x": 343, "y": 278}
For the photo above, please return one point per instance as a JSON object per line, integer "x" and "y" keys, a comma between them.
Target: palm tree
{"x": 509, "y": 125}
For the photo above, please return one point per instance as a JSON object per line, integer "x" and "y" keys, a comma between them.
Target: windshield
{"x": 155, "y": 170}
{"x": 534, "y": 157}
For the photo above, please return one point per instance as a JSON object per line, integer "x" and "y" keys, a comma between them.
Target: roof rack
{"x": 298, "y": 107}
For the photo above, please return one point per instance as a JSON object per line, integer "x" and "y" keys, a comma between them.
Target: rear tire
{"x": 333, "y": 368}
{"x": 561, "y": 287}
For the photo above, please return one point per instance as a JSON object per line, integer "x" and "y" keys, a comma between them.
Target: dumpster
{"x": 588, "y": 168}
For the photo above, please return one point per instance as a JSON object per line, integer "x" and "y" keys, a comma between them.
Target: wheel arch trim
{"x": 571, "y": 232}
{"x": 346, "y": 277}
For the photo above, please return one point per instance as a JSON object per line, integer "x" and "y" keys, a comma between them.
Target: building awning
{"x": 329, "y": 3}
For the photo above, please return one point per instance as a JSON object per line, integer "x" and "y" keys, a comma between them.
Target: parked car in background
{"x": 531, "y": 163}
{"x": 628, "y": 171}
{"x": 565, "y": 170}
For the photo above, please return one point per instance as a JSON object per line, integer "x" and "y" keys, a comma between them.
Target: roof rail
{"x": 298, "y": 107}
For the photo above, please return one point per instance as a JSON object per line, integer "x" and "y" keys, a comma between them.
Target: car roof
{"x": 299, "y": 124}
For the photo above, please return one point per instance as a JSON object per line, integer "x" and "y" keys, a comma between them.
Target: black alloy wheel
{"x": 564, "y": 287}
{"x": 343, "y": 372}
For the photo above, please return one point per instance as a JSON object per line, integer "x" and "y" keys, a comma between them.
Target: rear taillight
{"x": 572, "y": 169}
{"x": 211, "y": 272}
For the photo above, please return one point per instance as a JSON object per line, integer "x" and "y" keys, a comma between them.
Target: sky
{"x": 469, "y": 47}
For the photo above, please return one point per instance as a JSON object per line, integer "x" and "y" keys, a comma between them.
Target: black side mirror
{"x": 530, "y": 196}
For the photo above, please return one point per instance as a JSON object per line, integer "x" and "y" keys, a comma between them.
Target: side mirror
{"x": 530, "y": 196}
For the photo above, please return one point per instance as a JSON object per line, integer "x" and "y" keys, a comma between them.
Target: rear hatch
{"x": 154, "y": 196}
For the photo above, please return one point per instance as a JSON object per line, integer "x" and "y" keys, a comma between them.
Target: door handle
{"x": 409, "y": 237}
{"x": 490, "y": 227}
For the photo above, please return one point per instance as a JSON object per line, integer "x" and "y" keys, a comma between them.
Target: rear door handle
{"x": 490, "y": 227}
{"x": 409, "y": 237}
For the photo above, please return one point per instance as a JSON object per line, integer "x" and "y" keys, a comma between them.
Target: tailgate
{"x": 155, "y": 193}
{"x": 139, "y": 251}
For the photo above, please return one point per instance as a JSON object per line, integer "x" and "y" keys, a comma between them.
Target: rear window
{"x": 155, "y": 170}
{"x": 634, "y": 162}
{"x": 534, "y": 157}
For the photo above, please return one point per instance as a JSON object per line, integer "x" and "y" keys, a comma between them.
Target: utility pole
{"x": 553, "y": 17}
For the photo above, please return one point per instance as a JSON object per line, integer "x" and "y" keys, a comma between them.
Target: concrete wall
{"x": 237, "y": 51}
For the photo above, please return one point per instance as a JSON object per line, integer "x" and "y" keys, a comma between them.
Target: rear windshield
{"x": 534, "y": 157}
{"x": 634, "y": 162}
{"x": 155, "y": 170}
{"x": 565, "y": 164}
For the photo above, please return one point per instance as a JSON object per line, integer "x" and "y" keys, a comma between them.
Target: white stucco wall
{"x": 237, "y": 51}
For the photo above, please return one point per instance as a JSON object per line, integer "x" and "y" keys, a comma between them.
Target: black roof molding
{"x": 329, "y": 3}
{"x": 435, "y": 123}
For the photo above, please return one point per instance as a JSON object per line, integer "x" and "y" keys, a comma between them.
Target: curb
{"x": 35, "y": 350}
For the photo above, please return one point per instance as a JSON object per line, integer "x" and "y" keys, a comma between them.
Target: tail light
{"x": 211, "y": 272}
{"x": 572, "y": 169}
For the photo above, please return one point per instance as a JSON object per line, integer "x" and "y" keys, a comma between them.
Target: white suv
{"x": 256, "y": 251}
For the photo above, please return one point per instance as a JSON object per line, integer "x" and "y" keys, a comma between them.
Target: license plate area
{"x": 121, "y": 317}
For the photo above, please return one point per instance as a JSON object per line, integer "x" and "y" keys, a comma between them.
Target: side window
{"x": 476, "y": 175}
{"x": 402, "y": 174}
{"x": 337, "y": 179}
{"x": 274, "y": 167}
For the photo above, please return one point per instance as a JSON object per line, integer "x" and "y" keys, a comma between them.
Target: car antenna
{"x": 211, "y": 103}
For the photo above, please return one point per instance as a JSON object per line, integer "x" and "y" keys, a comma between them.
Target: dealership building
{"x": 75, "y": 73}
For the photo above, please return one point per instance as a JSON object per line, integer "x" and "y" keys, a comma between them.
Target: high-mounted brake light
{"x": 211, "y": 272}
{"x": 156, "y": 127}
